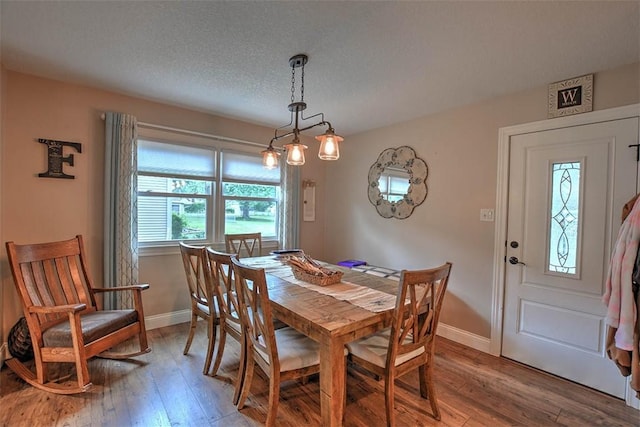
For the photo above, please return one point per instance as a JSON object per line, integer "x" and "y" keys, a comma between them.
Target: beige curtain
{"x": 121, "y": 210}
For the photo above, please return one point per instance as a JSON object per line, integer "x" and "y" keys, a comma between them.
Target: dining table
{"x": 333, "y": 315}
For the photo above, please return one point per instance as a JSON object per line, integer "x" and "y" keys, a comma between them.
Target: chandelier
{"x": 329, "y": 149}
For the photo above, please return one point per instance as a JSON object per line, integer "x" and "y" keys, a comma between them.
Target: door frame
{"x": 502, "y": 193}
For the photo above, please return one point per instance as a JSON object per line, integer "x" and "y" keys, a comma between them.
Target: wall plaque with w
{"x": 571, "y": 96}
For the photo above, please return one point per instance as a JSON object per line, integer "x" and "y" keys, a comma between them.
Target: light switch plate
{"x": 486, "y": 215}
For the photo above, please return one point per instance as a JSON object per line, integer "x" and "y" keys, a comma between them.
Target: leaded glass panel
{"x": 565, "y": 206}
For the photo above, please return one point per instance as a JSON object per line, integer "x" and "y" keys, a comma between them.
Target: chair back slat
{"x": 417, "y": 311}
{"x": 224, "y": 286}
{"x": 50, "y": 275}
{"x": 197, "y": 269}
{"x": 32, "y": 275}
{"x": 244, "y": 244}
{"x": 66, "y": 272}
{"x": 54, "y": 282}
{"x": 77, "y": 275}
{"x": 255, "y": 313}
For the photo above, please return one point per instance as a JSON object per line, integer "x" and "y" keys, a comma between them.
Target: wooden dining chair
{"x": 244, "y": 244}
{"x": 65, "y": 318}
{"x": 201, "y": 295}
{"x": 410, "y": 341}
{"x": 224, "y": 288}
{"x": 282, "y": 354}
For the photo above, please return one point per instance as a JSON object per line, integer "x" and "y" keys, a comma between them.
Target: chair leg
{"x": 212, "y": 342}
{"x": 42, "y": 369}
{"x": 142, "y": 335}
{"x": 246, "y": 381}
{"x": 424, "y": 378}
{"x": 241, "y": 371}
{"x": 274, "y": 399}
{"x": 427, "y": 389}
{"x": 389, "y": 390}
{"x": 192, "y": 331}
{"x": 220, "y": 350}
{"x": 82, "y": 372}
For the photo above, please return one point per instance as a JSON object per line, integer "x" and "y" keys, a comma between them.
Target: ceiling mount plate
{"x": 297, "y": 106}
{"x": 298, "y": 60}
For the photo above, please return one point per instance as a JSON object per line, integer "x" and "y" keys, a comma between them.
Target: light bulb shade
{"x": 270, "y": 158}
{"x": 329, "y": 148}
{"x": 295, "y": 154}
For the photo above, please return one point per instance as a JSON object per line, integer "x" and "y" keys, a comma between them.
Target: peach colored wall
{"x": 460, "y": 148}
{"x": 44, "y": 209}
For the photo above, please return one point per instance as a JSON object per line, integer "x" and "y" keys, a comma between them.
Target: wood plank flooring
{"x": 166, "y": 388}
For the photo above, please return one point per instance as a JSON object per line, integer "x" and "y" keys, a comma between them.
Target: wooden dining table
{"x": 329, "y": 320}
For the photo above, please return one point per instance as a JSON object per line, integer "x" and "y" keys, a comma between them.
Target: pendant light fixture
{"x": 329, "y": 141}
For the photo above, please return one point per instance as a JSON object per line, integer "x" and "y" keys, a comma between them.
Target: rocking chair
{"x": 65, "y": 323}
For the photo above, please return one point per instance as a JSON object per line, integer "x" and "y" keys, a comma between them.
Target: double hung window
{"x": 198, "y": 193}
{"x": 250, "y": 195}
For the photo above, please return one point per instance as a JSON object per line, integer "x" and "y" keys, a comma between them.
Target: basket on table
{"x": 308, "y": 270}
{"x": 321, "y": 280}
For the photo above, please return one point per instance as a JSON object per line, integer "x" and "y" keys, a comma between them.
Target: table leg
{"x": 332, "y": 382}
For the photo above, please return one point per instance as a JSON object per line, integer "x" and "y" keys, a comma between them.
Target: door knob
{"x": 514, "y": 260}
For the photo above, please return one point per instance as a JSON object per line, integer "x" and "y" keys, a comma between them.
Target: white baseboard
{"x": 450, "y": 332}
{"x": 464, "y": 337}
{"x": 167, "y": 319}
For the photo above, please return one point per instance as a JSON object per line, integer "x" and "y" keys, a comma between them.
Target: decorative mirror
{"x": 397, "y": 182}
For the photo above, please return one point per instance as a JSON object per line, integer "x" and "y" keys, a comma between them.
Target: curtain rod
{"x": 195, "y": 133}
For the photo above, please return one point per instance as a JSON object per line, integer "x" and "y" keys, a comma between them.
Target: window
{"x": 198, "y": 193}
{"x": 250, "y": 194}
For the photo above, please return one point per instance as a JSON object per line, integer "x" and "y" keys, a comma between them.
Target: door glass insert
{"x": 565, "y": 206}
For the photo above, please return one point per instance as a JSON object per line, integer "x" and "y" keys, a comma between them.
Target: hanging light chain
{"x": 293, "y": 84}
{"x": 302, "y": 84}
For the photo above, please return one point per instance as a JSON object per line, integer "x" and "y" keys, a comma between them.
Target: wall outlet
{"x": 487, "y": 215}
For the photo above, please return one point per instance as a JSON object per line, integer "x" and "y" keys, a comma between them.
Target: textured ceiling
{"x": 370, "y": 63}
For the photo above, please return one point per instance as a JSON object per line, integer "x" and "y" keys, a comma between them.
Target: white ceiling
{"x": 371, "y": 63}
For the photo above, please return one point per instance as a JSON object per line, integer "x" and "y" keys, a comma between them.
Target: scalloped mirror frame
{"x": 402, "y": 157}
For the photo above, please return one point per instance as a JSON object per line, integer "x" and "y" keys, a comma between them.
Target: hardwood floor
{"x": 165, "y": 388}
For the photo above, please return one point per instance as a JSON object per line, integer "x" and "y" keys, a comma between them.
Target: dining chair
{"x": 410, "y": 341}
{"x": 244, "y": 244}
{"x": 282, "y": 354}
{"x": 203, "y": 305}
{"x": 224, "y": 287}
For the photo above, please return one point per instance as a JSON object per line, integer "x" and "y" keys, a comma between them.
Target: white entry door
{"x": 566, "y": 191}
